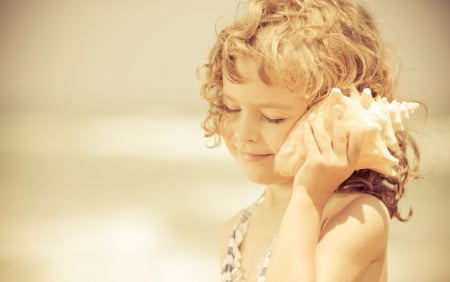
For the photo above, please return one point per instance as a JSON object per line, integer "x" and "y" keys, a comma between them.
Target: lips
{"x": 253, "y": 157}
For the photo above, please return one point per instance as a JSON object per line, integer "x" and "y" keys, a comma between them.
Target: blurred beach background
{"x": 105, "y": 176}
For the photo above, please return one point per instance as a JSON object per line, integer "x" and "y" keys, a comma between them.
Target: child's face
{"x": 256, "y": 121}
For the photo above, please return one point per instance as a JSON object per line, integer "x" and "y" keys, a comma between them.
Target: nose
{"x": 245, "y": 128}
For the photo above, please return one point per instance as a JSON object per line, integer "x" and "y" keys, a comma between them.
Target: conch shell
{"x": 377, "y": 119}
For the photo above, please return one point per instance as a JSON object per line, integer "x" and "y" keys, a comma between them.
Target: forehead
{"x": 254, "y": 90}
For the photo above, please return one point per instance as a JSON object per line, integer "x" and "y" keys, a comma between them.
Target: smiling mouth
{"x": 253, "y": 157}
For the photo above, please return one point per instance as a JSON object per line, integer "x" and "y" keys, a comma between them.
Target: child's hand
{"x": 329, "y": 159}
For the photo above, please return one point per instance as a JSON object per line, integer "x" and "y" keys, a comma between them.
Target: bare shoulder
{"x": 226, "y": 231}
{"x": 359, "y": 206}
{"x": 355, "y": 227}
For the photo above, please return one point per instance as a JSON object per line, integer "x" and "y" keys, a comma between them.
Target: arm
{"x": 354, "y": 241}
{"x": 303, "y": 252}
{"x": 341, "y": 250}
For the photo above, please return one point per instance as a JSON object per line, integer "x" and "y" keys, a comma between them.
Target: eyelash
{"x": 263, "y": 117}
{"x": 272, "y": 120}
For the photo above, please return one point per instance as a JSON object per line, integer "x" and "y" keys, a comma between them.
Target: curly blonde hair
{"x": 308, "y": 47}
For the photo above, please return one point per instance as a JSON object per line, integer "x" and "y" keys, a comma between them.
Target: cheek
{"x": 275, "y": 139}
{"x": 225, "y": 128}
{"x": 275, "y": 142}
{"x": 226, "y": 132}
{"x": 227, "y": 140}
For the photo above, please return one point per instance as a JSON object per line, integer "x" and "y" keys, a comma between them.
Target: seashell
{"x": 377, "y": 119}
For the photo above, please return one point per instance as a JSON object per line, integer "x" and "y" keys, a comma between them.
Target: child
{"x": 330, "y": 221}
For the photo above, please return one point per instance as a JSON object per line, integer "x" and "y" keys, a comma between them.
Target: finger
{"x": 321, "y": 136}
{"x": 309, "y": 140}
{"x": 340, "y": 132}
{"x": 354, "y": 146}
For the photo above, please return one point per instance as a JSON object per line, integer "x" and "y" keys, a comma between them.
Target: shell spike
{"x": 366, "y": 98}
{"x": 336, "y": 96}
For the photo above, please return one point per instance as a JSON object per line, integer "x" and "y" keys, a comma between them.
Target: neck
{"x": 277, "y": 194}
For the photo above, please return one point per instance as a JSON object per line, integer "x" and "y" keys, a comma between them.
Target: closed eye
{"x": 272, "y": 120}
{"x": 228, "y": 110}
{"x": 264, "y": 118}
